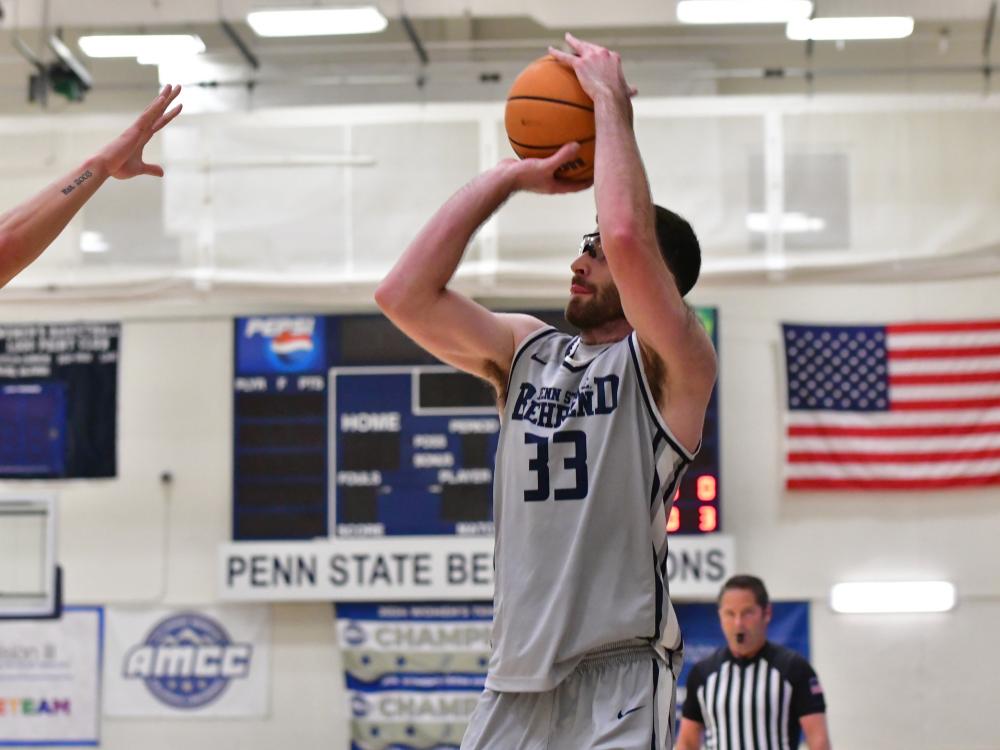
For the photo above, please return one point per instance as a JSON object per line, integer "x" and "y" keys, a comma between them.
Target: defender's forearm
{"x": 29, "y": 228}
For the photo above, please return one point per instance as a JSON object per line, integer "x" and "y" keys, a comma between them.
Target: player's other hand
{"x": 539, "y": 175}
{"x": 122, "y": 158}
{"x": 599, "y": 70}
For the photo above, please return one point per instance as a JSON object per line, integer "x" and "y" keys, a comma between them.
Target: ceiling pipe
{"x": 991, "y": 19}
{"x": 418, "y": 45}
{"x": 240, "y": 45}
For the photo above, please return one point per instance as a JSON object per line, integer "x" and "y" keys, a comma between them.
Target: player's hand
{"x": 599, "y": 70}
{"x": 539, "y": 175}
{"x": 122, "y": 158}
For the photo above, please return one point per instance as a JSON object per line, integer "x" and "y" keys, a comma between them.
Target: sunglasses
{"x": 591, "y": 245}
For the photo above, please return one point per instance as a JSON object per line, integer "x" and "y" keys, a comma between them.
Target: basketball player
{"x": 596, "y": 432}
{"x": 27, "y": 229}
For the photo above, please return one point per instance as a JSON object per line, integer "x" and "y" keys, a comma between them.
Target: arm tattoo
{"x": 77, "y": 182}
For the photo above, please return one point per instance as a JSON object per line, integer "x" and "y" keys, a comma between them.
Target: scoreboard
{"x": 344, "y": 427}
{"x": 696, "y": 507}
{"x": 411, "y": 451}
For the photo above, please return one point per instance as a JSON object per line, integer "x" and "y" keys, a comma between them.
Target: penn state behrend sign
{"x": 187, "y": 662}
{"x": 395, "y": 568}
{"x": 420, "y": 569}
{"x": 697, "y": 566}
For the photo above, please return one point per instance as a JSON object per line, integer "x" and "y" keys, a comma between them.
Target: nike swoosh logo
{"x": 539, "y": 361}
{"x": 623, "y": 714}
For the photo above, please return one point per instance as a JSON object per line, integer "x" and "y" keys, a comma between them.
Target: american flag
{"x": 894, "y": 407}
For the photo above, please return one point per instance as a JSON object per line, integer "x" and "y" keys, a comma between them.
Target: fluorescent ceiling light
{"x": 743, "y": 11}
{"x": 317, "y": 21}
{"x": 909, "y": 596}
{"x": 187, "y": 71}
{"x": 146, "y": 48}
{"x": 790, "y": 223}
{"x": 842, "y": 29}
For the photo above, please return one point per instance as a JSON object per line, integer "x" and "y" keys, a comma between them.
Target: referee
{"x": 753, "y": 694}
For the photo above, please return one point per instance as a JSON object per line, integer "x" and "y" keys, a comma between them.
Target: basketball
{"x": 546, "y": 108}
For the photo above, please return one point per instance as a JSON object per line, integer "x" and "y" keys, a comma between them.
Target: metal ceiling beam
{"x": 991, "y": 19}
{"x": 67, "y": 58}
{"x": 411, "y": 32}
{"x": 237, "y": 40}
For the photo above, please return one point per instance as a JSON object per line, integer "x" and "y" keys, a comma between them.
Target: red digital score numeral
{"x": 706, "y": 488}
{"x": 708, "y": 520}
{"x": 674, "y": 522}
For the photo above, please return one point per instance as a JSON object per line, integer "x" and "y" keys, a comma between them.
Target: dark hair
{"x": 679, "y": 247}
{"x": 749, "y": 583}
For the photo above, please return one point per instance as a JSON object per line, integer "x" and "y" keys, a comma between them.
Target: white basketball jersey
{"x": 586, "y": 472}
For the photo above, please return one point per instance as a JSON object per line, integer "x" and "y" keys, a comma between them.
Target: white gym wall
{"x": 265, "y": 231}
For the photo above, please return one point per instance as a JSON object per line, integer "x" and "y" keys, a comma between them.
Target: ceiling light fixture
{"x": 148, "y": 49}
{"x": 788, "y": 223}
{"x": 742, "y": 11}
{"x": 845, "y": 29}
{"x": 317, "y": 21}
{"x": 892, "y": 598}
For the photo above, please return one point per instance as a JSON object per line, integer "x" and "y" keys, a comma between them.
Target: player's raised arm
{"x": 415, "y": 295}
{"x": 27, "y": 229}
{"x": 626, "y": 217}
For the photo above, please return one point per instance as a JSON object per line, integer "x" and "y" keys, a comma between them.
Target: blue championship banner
{"x": 414, "y": 672}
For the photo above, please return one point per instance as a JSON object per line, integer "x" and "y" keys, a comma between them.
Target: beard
{"x": 588, "y": 313}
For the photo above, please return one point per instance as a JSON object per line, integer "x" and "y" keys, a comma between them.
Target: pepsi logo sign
{"x": 290, "y": 341}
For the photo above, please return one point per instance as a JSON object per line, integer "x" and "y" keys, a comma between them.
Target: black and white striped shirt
{"x": 753, "y": 704}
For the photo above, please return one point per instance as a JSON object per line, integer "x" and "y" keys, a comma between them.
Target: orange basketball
{"x": 547, "y": 107}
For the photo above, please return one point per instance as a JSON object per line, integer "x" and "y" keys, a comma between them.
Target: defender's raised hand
{"x": 27, "y": 229}
{"x": 123, "y": 156}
